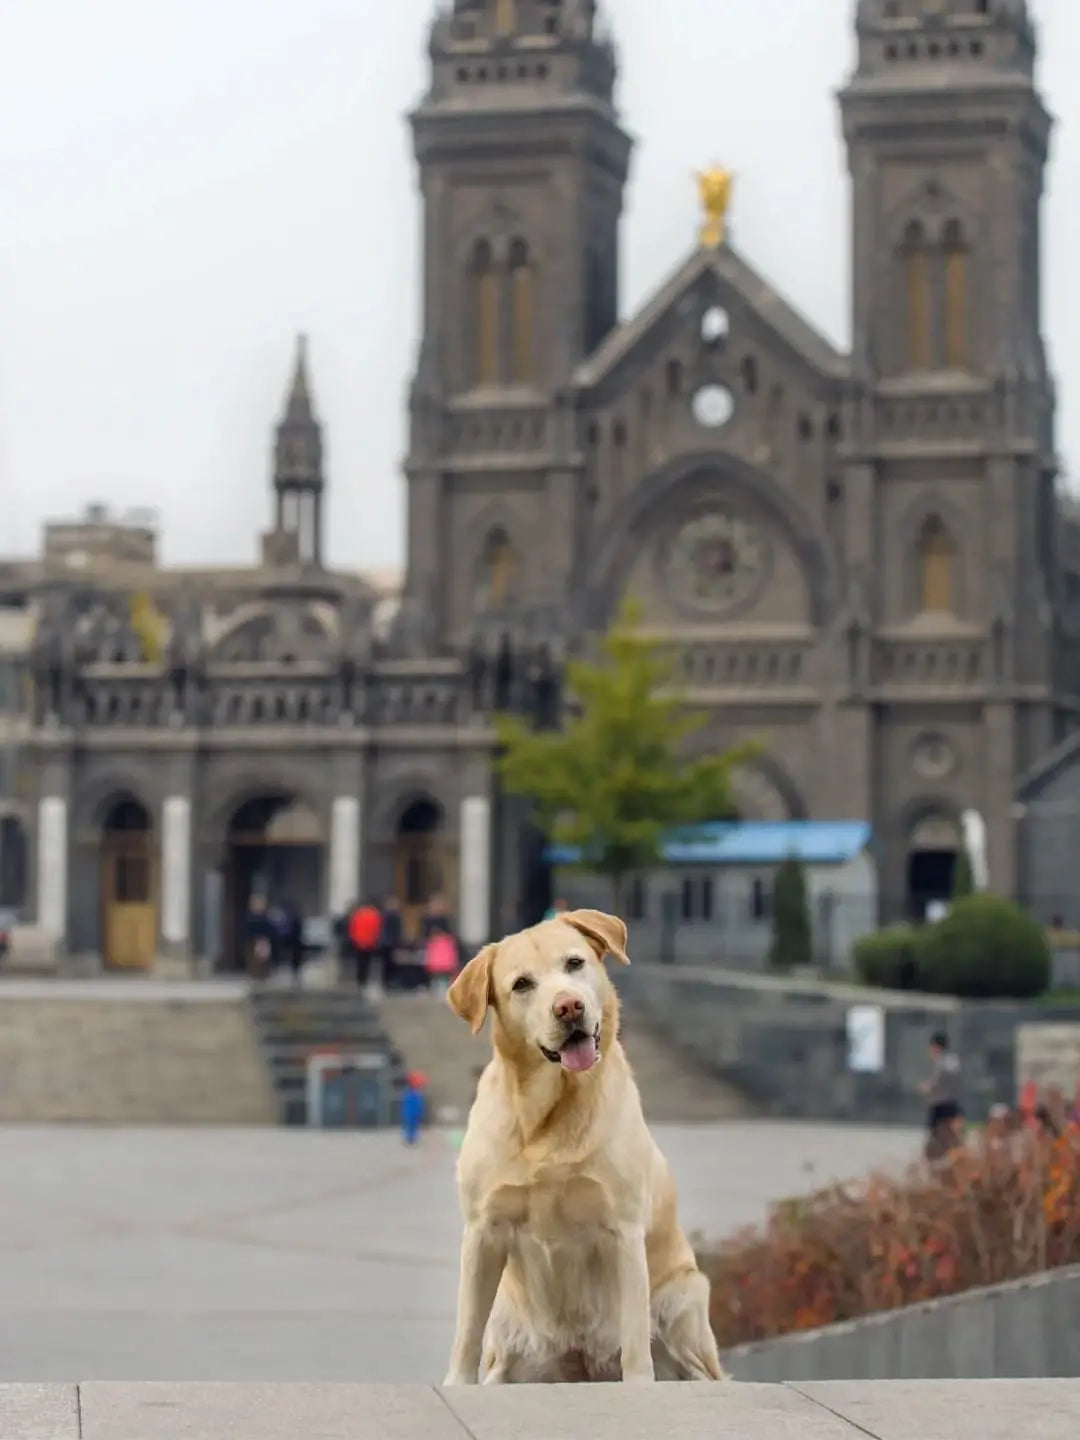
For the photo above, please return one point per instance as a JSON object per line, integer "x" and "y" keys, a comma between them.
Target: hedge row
{"x": 997, "y": 1211}
{"x": 985, "y": 948}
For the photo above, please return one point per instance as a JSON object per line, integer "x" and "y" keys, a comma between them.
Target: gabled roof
{"x": 755, "y": 842}
{"x": 1047, "y": 768}
{"x": 733, "y": 273}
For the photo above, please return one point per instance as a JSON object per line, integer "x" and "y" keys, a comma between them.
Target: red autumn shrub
{"x": 991, "y": 1213}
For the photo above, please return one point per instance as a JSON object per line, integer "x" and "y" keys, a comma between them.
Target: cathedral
{"x": 861, "y": 561}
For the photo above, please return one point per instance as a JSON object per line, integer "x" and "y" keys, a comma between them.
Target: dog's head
{"x": 552, "y": 998}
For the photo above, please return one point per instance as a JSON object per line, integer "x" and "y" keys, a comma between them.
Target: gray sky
{"x": 188, "y": 183}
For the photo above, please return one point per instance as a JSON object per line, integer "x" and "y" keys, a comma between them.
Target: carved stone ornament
{"x": 716, "y": 561}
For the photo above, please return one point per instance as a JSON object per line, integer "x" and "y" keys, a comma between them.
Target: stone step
{"x": 821, "y": 1410}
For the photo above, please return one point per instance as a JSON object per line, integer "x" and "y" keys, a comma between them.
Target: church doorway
{"x": 12, "y": 863}
{"x": 423, "y": 866}
{"x": 275, "y": 849}
{"x": 932, "y": 851}
{"x": 128, "y": 887}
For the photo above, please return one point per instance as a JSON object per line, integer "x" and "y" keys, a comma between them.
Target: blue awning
{"x": 754, "y": 842}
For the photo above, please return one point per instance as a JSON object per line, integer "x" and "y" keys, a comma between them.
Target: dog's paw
{"x": 461, "y": 1377}
{"x": 639, "y": 1377}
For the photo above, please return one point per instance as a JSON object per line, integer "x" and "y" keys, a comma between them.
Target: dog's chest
{"x": 551, "y": 1206}
{"x": 561, "y": 1241}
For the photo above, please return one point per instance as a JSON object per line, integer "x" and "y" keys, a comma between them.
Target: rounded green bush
{"x": 985, "y": 948}
{"x": 889, "y": 958}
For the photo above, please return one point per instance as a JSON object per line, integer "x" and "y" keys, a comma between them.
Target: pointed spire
{"x": 298, "y": 465}
{"x": 298, "y": 408}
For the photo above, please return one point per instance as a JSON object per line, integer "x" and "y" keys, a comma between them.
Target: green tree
{"x": 963, "y": 881}
{"x": 792, "y": 938}
{"x": 614, "y": 780}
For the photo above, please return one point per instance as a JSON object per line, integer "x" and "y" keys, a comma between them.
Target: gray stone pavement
{"x": 242, "y": 1255}
{"x": 903, "y": 1410}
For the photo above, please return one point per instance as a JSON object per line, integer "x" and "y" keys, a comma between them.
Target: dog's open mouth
{"x": 578, "y": 1052}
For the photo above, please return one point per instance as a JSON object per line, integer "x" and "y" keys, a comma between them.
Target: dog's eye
{"x": 522, "y": 984}
{"x": 575, "y": 963}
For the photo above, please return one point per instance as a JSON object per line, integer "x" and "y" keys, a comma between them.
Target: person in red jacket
{"x": 365, "y": 935}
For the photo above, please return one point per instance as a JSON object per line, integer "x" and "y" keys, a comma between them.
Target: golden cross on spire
{"x": 714, "y": 187}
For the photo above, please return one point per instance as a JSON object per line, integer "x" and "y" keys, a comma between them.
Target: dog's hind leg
{"x": 681, "y": 1325}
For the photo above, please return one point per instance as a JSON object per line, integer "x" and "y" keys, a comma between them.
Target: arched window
{"x": 919, "y": 317}
{"x": 498, "y": 571}
{"x": 484, "y": 291}
{"x": 522, "y": 306}
{"x": 956, "y": 296}
{"x": 935, "y": 568}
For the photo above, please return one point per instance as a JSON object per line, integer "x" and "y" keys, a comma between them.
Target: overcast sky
{"x": 185, "y": 184}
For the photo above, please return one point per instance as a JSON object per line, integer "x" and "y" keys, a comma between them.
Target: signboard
{"x": 348, "y": 1091}
{"x": 866, "y": 1039}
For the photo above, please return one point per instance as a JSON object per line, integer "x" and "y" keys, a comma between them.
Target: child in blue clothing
{"x": 413, "y": 1105}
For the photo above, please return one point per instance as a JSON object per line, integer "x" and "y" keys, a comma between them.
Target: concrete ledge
{"x": 1024, "y": 1329}
{"x": 991, "y": 1410}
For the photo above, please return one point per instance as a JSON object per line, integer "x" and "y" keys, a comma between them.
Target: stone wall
{"x": 784, "y": 1042}
{"x": 71, "y": 1053}
{"x": 1024, "y": 1330}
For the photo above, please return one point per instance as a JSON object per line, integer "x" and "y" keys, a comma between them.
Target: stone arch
{"x": 97, "y": 794}
{"x": 688, "y": 481}
{"x": 285, "y": 781}
{"x": 274, "y": 635}
{"x": 412, "y": 788}
{"x": 764, "y": 786}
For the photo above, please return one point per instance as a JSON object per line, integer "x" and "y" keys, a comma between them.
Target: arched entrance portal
{"x": 128, "y": 887}
{"x": 12, "y": 863}
{"x": 275, "y": 849}
{"x": 423, "y": 866}
{"x": 932, "y": 850}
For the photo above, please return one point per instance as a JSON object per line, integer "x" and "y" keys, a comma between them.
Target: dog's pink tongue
{"x": 579, "y": 1055}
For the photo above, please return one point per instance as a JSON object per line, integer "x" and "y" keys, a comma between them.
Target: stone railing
{"x": 938, "y": 664}
{"x": 231, "y": 699}
{"x": 510, "y": 432}
{"x": 111, "y": 1410}
{"x": 746, "y": 665}
{"x": 932, "y": 418}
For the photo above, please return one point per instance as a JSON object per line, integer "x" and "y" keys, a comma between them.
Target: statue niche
{"x": 498, "y": 575}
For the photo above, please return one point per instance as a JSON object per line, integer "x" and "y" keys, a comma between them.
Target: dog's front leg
{"x": 635, "y": 1318}
{"x": 483, "y": 1257}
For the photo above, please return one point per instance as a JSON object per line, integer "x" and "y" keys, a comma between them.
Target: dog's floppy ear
{"x": 606, "y": 933}
{"x": 470, "y": 994}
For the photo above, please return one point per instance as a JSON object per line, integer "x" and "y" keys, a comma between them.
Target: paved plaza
{"x": 198, "y": 1254}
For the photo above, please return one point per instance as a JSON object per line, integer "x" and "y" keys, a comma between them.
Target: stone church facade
{"x": 860, "y": 560}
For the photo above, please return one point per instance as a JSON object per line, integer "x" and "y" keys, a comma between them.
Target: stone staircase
{"x": 674, "y": 1088}
{"x": 430, "y": 1037}
{"x": 423, "y": 1029}
{"x": 293, "y": 1024}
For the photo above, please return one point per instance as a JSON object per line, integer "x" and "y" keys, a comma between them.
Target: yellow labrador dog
{"x": 573, "y": 1264}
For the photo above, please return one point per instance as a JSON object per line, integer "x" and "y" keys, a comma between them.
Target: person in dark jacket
{"x": 260, "y": 938}
{"x": 391, "y": 941}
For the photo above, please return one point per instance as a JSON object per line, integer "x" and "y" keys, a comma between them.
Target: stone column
{"x": 176, "y": 871}
{"x": 474, "y": 848}
{"x": 345, "y": 876}
{"x": 52, "y": 867}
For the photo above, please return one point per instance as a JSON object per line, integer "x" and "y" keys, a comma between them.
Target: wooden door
{"x": 423, "y": 868}
{"x": 130, "y": 908}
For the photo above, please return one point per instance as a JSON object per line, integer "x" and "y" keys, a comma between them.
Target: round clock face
{"x": 717, "y": 560}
